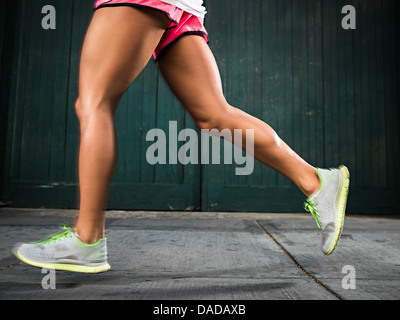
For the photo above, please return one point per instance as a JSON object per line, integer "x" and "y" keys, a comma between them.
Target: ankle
{"x": 87, "y": 236}
{"x": 88, "y": 239}
{"x": 311, "y": 185}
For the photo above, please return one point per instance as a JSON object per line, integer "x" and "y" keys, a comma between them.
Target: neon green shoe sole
{"x": 64, "y": 267}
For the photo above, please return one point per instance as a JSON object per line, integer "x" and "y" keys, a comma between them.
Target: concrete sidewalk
{"x": 211, "y": 256}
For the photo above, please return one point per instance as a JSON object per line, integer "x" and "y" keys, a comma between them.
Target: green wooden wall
{"x": 43, "y": 128}
{"x": 331, "y": 94}
{"x": 3, "y": 100}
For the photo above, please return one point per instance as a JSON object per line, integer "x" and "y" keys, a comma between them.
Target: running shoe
{"x": 328, "y": 205}
{"x": 65, "y": 251}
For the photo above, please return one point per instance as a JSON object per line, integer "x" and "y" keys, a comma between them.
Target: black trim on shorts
{"x": 187, "y": 33}
{"x": 134, "y": 5}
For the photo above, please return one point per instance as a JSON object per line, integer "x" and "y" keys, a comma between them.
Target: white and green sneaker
{"x": 328, "y": 205}
{"x": 65, "y": 251}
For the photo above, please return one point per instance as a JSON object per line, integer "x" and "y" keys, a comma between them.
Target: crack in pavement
{"x": 10, "y": 266}
{"x": 298, "y": 264}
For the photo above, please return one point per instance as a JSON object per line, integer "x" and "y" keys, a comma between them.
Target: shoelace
{"x": 309, "y": 206}
{"x": 57, "y": 236}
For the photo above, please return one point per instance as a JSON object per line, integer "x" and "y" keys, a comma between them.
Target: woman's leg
{"x": 190, "y": 70}
{"x": 118, "y": 44}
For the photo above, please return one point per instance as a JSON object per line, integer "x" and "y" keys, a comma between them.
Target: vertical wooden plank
{"x": 60, "y": 51}
{"x": 316, "y": 144}
{"x": 346, "y": 150}
{"x": 148, "y": 120}
{"x": 303, "y": 86}
{"x": 379, "y": 107}
{"x": 297, "y": 55}
{"x": 13, "y": 129}
{"x": 374, "y": 135}
{"x": 168, "y": 110}
{"x": 134, "y": 143}
{"x": 366, "y": 103}
{"x": 391, "y": 90}
{"x": 8, "y": 14}
{"x": 331, "y": 118}
{"x": 357, "y": 176}
{"x": 3, "y": 98}
{"x": 17, "y": 98}
{"x": 27, "y": 150}
{"x": 128, "y": 119}
{"x": 3, "y": 11}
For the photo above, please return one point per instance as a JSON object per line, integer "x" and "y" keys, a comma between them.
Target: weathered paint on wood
{"x": 330, "y": 93}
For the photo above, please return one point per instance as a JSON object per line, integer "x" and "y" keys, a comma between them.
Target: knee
{"x": 86, "y": 108}
{"x": 216, "y": 119}
{"x": 80, "y": 109}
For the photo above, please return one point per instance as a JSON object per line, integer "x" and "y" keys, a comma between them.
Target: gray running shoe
{"x": 328, "y": 205}
{"x": 65, "y": 251}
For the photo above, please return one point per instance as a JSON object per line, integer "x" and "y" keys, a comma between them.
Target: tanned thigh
{"x": 118, "y": 44}
{"x": 190, "y": 69}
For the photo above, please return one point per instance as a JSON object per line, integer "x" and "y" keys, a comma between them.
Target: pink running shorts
{"x": 182, "y": 22}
